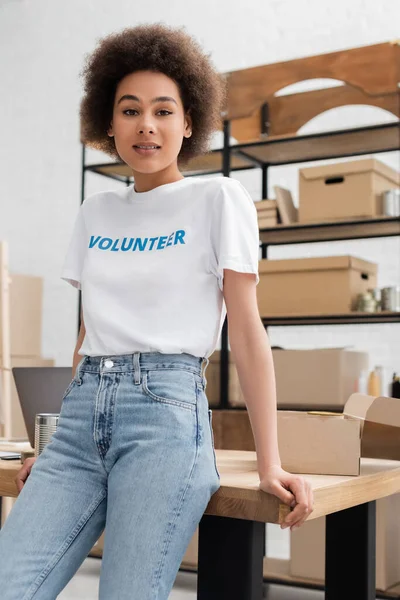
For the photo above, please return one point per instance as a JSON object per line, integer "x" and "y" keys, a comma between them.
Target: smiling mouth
{"x": 140, "y": 147}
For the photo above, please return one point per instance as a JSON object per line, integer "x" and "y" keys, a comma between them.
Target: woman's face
{"x": 148, "y": 110}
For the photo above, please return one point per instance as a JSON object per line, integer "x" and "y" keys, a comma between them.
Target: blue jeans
{"x": 133, "y": 454}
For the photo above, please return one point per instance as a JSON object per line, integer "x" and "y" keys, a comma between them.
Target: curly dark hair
{"x": 153, "y": 47}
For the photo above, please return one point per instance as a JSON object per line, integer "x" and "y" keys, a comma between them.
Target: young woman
{"x": 160, "y": 263}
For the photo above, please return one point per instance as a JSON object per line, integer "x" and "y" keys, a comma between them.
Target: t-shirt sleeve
{"x": 235, "y": 236}
{"x": 76, "y": 252}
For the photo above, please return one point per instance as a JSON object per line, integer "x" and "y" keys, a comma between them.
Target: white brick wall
{"x": 42, "y": 45}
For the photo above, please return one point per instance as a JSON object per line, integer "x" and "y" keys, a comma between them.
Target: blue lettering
{"x": 94, "y": 241}
{"x": 140, "y": 243}
{"x": 161, "y": 242}
{"x": 105, "y": 243}
{"x": 123, "y": 247}
{"x": 179, "y": 236}
{"x": 152, "y": 240}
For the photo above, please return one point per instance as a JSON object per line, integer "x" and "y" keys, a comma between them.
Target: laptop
{"x": 40, "y": 390}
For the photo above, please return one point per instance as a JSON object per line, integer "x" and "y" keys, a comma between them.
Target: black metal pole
{"x": 264, "y": 196}
{"x": 83, "y": 180}
{"x": 264, "y": 181}
{"x": 224, "y": 357}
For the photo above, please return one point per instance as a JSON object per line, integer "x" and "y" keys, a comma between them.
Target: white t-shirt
{"x": 150, "y": 264}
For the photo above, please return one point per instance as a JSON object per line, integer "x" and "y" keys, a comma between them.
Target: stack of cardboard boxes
{"x": 267, "y": 213}
{"x": 26, "y": 307}
{"x": 21, "y": 303}
{"x": 330, "y": 285}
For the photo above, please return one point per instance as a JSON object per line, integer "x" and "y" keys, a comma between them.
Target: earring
{"x": 190, "y": 133}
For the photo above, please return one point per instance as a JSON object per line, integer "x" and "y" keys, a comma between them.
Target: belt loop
{"x": 205, "y": 360}
{"x": 136, "y": 367}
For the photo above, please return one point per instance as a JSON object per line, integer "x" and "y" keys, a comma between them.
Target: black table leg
{"x": 230, "y": 559}
{"x": 350, "y": 553}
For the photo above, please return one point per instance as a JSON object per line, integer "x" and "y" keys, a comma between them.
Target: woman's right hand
{"x": 24, "y": 471}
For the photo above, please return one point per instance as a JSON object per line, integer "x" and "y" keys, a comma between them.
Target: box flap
{"x": 375, "y": 409}
{"x": 351, "y": 167}
{"x": 315, "y": 264}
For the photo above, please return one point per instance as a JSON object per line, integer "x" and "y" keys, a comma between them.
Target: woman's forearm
{"x": 254, "y": 363}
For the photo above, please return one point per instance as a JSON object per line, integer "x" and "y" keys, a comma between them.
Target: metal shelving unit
{"x": 262, "y": 123}
{"x": 282, "y": 150}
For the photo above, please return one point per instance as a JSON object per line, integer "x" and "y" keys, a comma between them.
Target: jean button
{"x": 108, "y": 364}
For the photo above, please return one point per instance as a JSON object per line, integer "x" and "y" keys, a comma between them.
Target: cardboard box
{"x": 325, "y": 378}
{"x": 313, "y": 286}
{"x": 267, "y": 213}
{"x": 307, "y": 546}
{"x": 212, "y": 375}
{"x": 266, "y": 222}
{"x": 346, "y": 190}
{"x": 26, "y": 303}
{"x": 332, "y": 444}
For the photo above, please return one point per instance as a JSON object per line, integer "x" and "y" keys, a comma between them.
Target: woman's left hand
{"x": 293, "y": 490}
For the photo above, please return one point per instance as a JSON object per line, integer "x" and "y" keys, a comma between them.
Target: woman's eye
{"x": 134, "y": 110}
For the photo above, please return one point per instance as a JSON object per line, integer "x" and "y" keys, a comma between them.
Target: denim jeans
{"x": 133, "y": 454}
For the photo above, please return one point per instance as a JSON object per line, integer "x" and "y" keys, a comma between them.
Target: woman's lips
{"x": 145, "y": 151}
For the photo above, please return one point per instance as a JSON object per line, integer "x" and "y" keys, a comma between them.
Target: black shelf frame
{"x": 276, "y": 231}
{"x": 343, "y": 319}
{"x": 241, "y": 150}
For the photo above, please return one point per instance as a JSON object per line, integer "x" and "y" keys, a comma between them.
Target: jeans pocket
{"x": 70, "y": 388}
{"x": 176, "y": 387}
{"x": 76, "y": 380}
{"x": 212, "y": 441}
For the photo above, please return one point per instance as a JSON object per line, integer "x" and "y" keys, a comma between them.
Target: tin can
{"x": 377, "y": 296}
{"x": 391, "y": 202}
{"x": 45, "y": 426}
{"x": 366, "y": 303}
{"x": 391, "y": 298}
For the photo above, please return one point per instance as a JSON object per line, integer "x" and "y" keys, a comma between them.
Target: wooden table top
{"x": 240, "y": 497}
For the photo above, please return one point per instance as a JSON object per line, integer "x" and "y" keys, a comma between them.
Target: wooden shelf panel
{"x": 333, "y": 144}
{"x": 346, "y": 319}
{"x": 299, "y": 233}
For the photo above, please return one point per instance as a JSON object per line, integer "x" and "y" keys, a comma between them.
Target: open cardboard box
{"x": 325, "y": 443}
